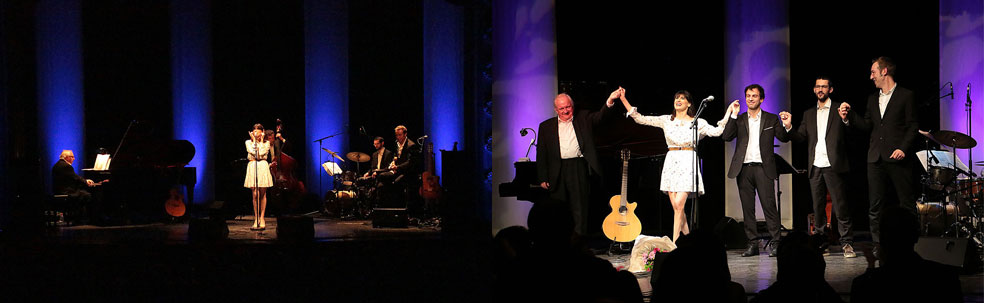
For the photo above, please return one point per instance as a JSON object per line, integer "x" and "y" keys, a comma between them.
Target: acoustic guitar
{"x": 622, "y": 225}
{"x": 175, "y": 204}
{"x": 431, "y": 186}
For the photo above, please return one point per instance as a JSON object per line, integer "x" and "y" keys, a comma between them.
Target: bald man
{"x": 66, "y": 182}
{"x": 566, "y": 154}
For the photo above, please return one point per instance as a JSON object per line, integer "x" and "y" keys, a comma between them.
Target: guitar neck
{"x": 625, "y": 180}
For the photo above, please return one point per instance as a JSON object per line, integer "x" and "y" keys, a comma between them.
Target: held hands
{"x": 615, "y": 94}
{"x": 786, "y": 119}
{"x": 545, "y": 185}
{"x": 734, "y": 108}
{"x": 843, "y": 109}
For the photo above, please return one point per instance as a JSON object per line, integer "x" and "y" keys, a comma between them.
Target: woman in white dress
{"x": 258, "y": 174}
{"x": 677, "y": 179}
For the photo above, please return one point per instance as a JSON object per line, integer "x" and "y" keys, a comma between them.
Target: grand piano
{"x": 142, "y": 174}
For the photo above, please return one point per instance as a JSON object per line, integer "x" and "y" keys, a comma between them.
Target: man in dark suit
{"x": 405, "y": 170}
{"x": 753, "y": 165}
{"x": 66, "y": 182}
{"x": 825, "y": 134}
{"x": 379, "y": 159}
{"x": 566, "y": 155}
{"x": 891, "y": 119}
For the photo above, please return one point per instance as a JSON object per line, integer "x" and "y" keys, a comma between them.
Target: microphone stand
{"x": 693, "y": 125}
{"x": 526, "y": 158}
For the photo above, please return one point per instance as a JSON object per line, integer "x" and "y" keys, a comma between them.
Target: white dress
{"x": 257, "y": 163}
{"x": 678, "y": 167}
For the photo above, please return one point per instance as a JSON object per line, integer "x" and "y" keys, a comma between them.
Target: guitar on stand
{"x": 430, "y": 188}
{"x": 622, "y": 225}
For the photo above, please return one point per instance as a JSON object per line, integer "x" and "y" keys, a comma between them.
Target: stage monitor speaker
{"x": 949, "y": 251}
{"x": 731, "y": 233}
{"x": 207, "y": 230}
{"x": 390, "y": 217}
{"x": 295, "y": 228}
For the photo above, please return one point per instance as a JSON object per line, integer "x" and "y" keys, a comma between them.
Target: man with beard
{"x": 826, "y": 135}
{"x": 753, "y": 165}
{"x": 891, "y": 119}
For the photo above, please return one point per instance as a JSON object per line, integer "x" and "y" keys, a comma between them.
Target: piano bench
{"x": 63, "y": 210}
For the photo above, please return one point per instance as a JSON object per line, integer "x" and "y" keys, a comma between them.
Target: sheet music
{"x": 332, "y": 168}
{"x": 102, "y": 162}
{"x": 945, "y": 159}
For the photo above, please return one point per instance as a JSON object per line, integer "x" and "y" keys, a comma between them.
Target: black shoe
{"x": 753, "y": 249}
{"x": 772, "y": 249}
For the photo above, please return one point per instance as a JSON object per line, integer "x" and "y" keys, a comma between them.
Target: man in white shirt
{"x": 891, "y": 119}
{"x": 825, "y": 134}
{"x": 566, "y": 155}
{"x": 753, "y": 165}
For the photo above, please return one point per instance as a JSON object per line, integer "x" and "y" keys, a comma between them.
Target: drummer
{"x": 380, "y": 159}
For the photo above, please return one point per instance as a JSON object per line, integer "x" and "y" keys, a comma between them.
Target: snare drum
{"x": 940, "y": 177}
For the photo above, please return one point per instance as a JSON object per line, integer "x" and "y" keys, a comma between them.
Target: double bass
{"x": 285, "y": 184}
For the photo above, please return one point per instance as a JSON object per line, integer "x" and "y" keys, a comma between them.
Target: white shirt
{"x": 883, "y": 99}
{"x": 820, "y": 158}
{"x": 379, "y": 159}
{"x": 753, "y": 154}
{"x": 569, "y": 148}
{"x": 399, "y": 148}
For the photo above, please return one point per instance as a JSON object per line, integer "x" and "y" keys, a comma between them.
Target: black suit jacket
{"x": 387, "y": 158}
{"x": 770, "y": 127}
{"x": 896, "y": 130}
{"x": 836, "y": 138}
{"x": 548, "y": 146}
{"x": 64, "y": 179}
{"x": 409, "y": 160}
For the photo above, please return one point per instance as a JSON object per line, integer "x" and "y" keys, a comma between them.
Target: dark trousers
{"x": 573, "y": 187}
{"x": 752, "y": 178}
{"x": 822, "y": 181}
{"x": 882, "y": 175}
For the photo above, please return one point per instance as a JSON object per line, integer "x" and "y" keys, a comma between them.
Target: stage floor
{"x": 758, "y": 272}
{"x": 325, "y": 229}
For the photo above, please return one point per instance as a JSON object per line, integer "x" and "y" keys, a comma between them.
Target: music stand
{"x": 783, "y": 167}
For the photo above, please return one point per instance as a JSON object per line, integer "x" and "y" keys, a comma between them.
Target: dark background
{"x": 654, "y": 50}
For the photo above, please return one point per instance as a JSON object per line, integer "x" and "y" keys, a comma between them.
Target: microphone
{"x": 708, "y": 99}
{"x": 362, "y": 130}
{"x": 968, "y": 93}
{"x": 423, "y": 137}
{"x": 523, "y": 131}
{"x": 951, "y": 89}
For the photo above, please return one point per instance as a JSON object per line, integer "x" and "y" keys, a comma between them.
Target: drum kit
{"x": 952, "y": 201}
{"x": 353, "y": 195}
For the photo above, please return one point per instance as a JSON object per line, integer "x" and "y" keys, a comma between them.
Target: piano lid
{"x": 141, "y": 148}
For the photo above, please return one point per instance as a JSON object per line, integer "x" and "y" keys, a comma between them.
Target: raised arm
{"x": 731, "y": 127}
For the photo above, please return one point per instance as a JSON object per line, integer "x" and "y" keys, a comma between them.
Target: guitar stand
{"x": 612, "y": 245}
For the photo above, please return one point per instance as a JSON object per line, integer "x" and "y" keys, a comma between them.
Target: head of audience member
{"x": 564, "y": 107}
{"x": 882, "y": 72}
{"x": 377, "y": 143}
{"x": 697, "y": 270}
{"x": 68, "y": 156}
{"x": 683, "y": 102}
{"x": 798, "y": 259}
{"x": 754, "y": 96}
{"x": 400, "y": 132}
{"x": 899, "y": 233}
{"x": 510, "y": 243}
{"x": 551, "y": 225}
{"x": 822, "y": 88}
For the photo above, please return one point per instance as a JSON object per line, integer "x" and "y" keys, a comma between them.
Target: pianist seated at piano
{"x": 66, "y": 182}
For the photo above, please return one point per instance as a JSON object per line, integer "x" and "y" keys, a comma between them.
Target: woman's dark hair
{"x": 691, "y": 110}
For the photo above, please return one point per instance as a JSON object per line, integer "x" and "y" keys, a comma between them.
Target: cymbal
{"x": 954, "y": 139}
{"x": 333, "y": 154}
{"x": 928, "y": 136}
{"x": 357, "y": 157}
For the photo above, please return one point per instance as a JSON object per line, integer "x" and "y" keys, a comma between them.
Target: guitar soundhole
{"x": 622, "y": 210}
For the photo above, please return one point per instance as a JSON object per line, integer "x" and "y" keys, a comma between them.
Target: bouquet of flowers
{"x": 650, "y": 259}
